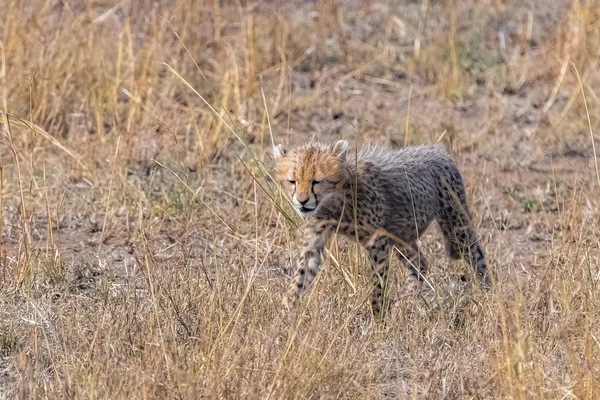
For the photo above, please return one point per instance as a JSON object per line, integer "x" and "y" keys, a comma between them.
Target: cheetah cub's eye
{"x": 315, "y": 182}
{"x": 292, "y": 182}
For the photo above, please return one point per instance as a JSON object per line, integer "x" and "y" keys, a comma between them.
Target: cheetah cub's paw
{"x": 411, "y": 288}
{"x": 409, "y": 291}
{"x": 289, "y": 301}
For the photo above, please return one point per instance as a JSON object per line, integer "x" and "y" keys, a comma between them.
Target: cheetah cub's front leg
{"x": 378, "y": 248}
{"x": 315, "y": 238}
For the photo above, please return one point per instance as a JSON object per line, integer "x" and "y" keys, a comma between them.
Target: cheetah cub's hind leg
{"x": 379, "y": 248}
{"x": 456, "y": 225}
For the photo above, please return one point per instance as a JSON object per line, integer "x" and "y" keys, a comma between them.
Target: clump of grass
{"x": 8, "y": 343}
{"x": 530, "y": 203}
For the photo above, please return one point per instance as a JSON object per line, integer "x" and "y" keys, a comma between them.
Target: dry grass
{"x": 143, "y": 253}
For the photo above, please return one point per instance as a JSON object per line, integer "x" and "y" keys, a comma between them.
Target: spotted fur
{"x": 380, "y": 197}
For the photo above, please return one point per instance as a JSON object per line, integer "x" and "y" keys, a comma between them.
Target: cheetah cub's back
{"x": 381, "y": 198}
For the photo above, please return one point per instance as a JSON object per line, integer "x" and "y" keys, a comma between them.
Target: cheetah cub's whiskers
{"x": 383, "y": 198}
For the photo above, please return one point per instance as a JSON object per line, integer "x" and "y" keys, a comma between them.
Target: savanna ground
{"x": 143, "y": 253}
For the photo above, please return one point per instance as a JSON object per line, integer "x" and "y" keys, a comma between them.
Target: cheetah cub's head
{"x": 311, "y": 174}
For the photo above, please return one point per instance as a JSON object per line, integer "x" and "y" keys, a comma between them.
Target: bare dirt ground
{"x": 143, "y": 253}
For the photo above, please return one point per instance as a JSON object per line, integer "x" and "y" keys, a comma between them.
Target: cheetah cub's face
{"x": 311, "y": 174}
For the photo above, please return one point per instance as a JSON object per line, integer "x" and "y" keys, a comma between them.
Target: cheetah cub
{"x": 381, "y": 197}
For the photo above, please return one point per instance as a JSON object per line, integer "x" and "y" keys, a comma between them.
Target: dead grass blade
{"x": 38, "y": 130}
{"x": 587, "y": 113}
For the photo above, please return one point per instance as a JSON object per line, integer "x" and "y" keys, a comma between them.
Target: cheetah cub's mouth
{"x": 306, "y": 210}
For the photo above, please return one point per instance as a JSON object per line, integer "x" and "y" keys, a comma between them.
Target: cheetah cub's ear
{"x": 279, "y": 151}
{"x": 340, "y": 148}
